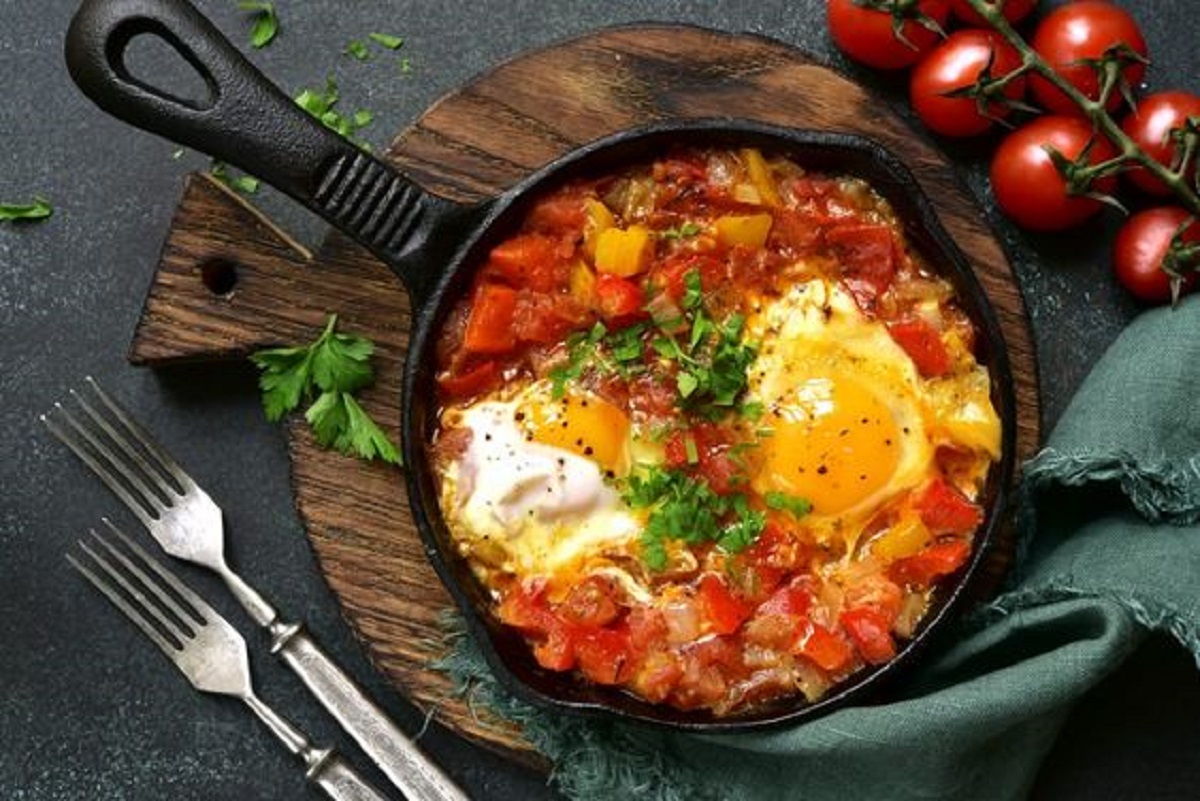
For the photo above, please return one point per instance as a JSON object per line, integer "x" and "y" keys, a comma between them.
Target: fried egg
{"x": 531, "y": 490}
{"x": 845, "y": 409}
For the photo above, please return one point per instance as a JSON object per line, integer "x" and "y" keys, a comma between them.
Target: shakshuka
{"x": 711, "y": 431}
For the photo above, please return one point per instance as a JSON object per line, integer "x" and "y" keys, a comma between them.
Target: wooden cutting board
{"x": 230, "y": 282}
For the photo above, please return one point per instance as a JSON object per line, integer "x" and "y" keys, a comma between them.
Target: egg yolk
{"x": 583, "y": 424}
{"x": 834, "y": 443}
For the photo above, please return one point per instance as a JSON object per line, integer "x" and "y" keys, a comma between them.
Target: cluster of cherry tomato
{"x": 964, "y": 83}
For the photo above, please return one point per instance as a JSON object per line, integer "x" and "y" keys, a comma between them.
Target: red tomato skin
{"x": 944, "y": 510}
{"x": 924, "y": 346}
{"x": 620, "y": 299}
{"x": 1014, "y": 11}
{"x": 1026, "y": 184}
{"x": 923, "y": 569}
{"x": 475, "y": 381}
{"x": 1078, "y": 31}
{"x": 870, "y": 633}
{"x": 724, "y": 611}
{"x": 490, "y": 324}
{"x": 1150, "y": 125}
{"x": 1140, "y": 246}
{"x": 866, "y": 35}
{"x": 957, "y": 63}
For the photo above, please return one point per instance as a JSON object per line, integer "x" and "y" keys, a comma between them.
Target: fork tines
{"x": 119, "y": 451}
{"x": 161, "y": 605}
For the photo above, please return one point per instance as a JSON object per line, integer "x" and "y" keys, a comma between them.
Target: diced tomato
{"x": 923, "y": 344}
{"x": 868, "y": 259}
{"x": 657, "y": 676}
{"x": 878, "y": 593}
{"x": 794, "y": 230}
{"x": 591, "y": 602}
{"x": 808, "y": 188}
{"x": 792, "y": 599}
{"x": 647, "y": 628}
{"x": 827, "y": 649}
{"x": 710, "y": 446}
{"x": 652, "y": 395}
{"x": 525, "y": 607}
{"x": 529, "y": 261}
{"x": 871, "y": 634}
{"x": 923, "y": 569}
{"x": 620, "y": 299}
{"x": 490, "y": 325}
{"x": 944, "y": 510}
{"x": 560, "y": 213}
{"x": 547, "y": 319}
{"x": 603, "y": 653}
{"x": 474, "y": 381}
{"x": 557, "y": 650}
{"x": 723, "y": 610}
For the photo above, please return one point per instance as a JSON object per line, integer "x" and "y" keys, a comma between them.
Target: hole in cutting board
{"x": 219, "y": 276}
{"x": 176, "y": 75}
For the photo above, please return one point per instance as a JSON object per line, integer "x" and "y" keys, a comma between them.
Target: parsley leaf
{"x": 246, "y": 184}
{"x": 794, "y": 505}
{"x": 39, "y": 209}
{"x": 386, "y": 40}
{"x": 265, "y": 23}
{"x": 358, "y": 49}
{"x": 685, "y": 231}
{"x": 333, "y": 367}
{"x": 321, "y": 104}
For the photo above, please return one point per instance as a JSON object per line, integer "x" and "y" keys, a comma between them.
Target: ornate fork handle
{"x": 397, "y": 755}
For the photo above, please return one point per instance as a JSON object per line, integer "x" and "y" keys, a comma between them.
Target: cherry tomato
{"x": 1150, "y": 125}
{"x": 956, "y": 64}
{"x": 1139, "y": 249}
{"x": 1028, "y": 187}
{"x": 1078, "y": 31}
{"x": 866, "y": 35}
{"x": 1014, "y": 11}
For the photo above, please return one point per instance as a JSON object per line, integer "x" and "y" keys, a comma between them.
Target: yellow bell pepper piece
{"x": 760, "y": 175}
{"x": 743, "y": 229}
{"x": 582, "y": 283}
{"x": 906, "y": 537}
{"x": 599, "y": 219}
{"x": 624, "y": 252}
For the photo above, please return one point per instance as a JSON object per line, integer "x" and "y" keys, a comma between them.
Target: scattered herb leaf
{"x": 794, "y": 505}
{"x": 685, "y": 231}
{"x": 246, "y": 184}
{"x": 685, "y": 508}
{"x": 265, "y": 24}
{"x": 39, "y": 209}
{"x": 387, "y": 40}
{"x": 321, "y": 103}
{"x": 333, "y": 367}
{"x": 358, "y": 49}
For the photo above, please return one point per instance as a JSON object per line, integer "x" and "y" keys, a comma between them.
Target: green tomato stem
{"x": 1094, "y": 110}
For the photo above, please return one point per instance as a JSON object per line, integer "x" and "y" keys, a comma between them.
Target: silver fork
{"x": 188, "y": 524}
{"x": 205, "y": 648}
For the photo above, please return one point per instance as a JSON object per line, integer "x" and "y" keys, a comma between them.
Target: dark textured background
{"x": 87, "y": 709}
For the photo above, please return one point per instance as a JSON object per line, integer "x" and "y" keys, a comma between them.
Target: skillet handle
{"x": 248, "y": 122}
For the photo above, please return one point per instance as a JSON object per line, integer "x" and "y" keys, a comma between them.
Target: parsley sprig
{"x": 684, "y": 507}
{"x": 620, "y": 352}
{"x": 332, "y": 368}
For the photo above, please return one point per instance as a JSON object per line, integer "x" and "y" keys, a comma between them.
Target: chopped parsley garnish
{"x": 358, "y": 49}
{"x": 619, "y": 352}
{"x": 794, "y": 505}
{"x": 386, "y": 40}
{"x": 39, "y": 209}
{"x": 321, "y": 104}
{"x": 685, "y": 231}
{"x": 246, "y": 184}
{"x": 685, "y": 508}
{"x": 333, "y": 368}
{"x": 264, "y": 22}
{"x": 711, "y": 356}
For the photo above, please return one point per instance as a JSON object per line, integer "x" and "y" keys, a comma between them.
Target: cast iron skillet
{"x": 433, "y": 246}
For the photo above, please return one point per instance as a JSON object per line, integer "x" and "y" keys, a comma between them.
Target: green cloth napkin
{"x": 1110, "y": 550}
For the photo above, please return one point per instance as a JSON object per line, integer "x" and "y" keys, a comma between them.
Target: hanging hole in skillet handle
{"x": 250, "y": 123}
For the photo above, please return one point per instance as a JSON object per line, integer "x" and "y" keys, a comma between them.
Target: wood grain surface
{"x": 471, "y": 144}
